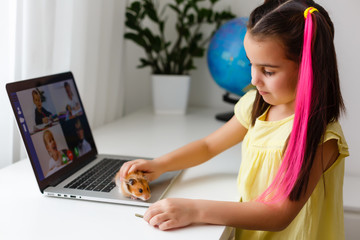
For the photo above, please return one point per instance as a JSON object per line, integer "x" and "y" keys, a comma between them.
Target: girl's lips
{"x": 262, "y": 93}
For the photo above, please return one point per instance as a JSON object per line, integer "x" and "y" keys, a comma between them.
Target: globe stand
{"x": 227, "y": 115}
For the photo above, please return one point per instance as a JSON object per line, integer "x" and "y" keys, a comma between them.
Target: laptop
{"x": 60, "y": 145}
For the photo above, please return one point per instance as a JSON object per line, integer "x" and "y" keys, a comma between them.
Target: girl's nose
{"x": 255, "y": 78}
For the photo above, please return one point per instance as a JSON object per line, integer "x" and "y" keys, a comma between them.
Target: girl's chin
{"x": 267, "y": 99}
{"x": 54, "y": 151}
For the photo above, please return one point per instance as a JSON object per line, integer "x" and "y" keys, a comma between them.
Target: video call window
{"x": 56, "y": 124}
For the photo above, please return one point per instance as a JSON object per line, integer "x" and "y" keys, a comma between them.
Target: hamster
{"x": 135, "y": 185}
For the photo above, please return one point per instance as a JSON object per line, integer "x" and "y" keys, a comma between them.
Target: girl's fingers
{"x": 124, "y": 170}
{"x": 170, "y": 213}
{"x": 158, "y": 219}
{"x": 158, "y": 215}
{"x": 145, "y": 166}
{"x": 151, "y": 212}
{"x": 169, "y": 224}
{"x": 132, "y": 168}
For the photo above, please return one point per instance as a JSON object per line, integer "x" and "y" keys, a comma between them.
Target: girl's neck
{"x": 55, "y": 155}
{"x": 279, "y": 112}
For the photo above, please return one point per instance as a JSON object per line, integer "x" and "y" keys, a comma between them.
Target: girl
{"x": 58, "y": 158}
{"x": 293, "y": 149}
{"x": 41, "y": 114}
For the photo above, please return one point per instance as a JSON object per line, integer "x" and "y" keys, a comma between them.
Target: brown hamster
{"x": 135, "y": 185}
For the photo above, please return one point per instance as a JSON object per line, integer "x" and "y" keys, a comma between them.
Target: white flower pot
{"x": 170, "y": 93}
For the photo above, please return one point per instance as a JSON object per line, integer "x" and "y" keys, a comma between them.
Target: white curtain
{"x": 7, "y": 46}
{"x": 41, "y": 37}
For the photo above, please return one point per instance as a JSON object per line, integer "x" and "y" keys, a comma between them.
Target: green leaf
{"x": 132, "y": 25}
{"x": 189, "y": 65}
{"x": 161, "y": 26}
{"x": 201, "y": 16}
{"x": 136, "y": 38}
{"x": 197, "y": 37}
{"x": 167, "y": 44}
{"x": 175, "y": 8}
{"x": 183, "y": 53}
{"x": 142, "y": 15}
{"x": 191, "y": 19}
{"x": 204, "y": 14}
{"x": 197, "y": 52}
{"x": 184, "y": 32}
{"x": 210, "y": 16}
{"x": 225, "y": 15}
{"x": 150, "y": 11}
{"x": 130, "y": 17}
{"x": 193, "y": 5}
{"x": 156, "y": 44}
{"x": 135, "y": 6}
{"x": 148, "y": 35}
{"x": 144, "y": 63}
{"x": 187, "y": 8}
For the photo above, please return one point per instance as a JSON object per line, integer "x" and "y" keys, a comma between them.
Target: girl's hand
{"x": 171, "y": 213}
{"x": 150, "y": 168}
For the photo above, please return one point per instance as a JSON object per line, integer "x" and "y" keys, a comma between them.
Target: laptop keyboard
{"x": 98, "y": 178}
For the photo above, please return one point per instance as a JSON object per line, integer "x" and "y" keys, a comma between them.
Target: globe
{"x": 226, "y": 57}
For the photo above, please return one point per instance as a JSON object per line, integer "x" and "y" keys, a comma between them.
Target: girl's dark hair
{"x": 284, "y": 20}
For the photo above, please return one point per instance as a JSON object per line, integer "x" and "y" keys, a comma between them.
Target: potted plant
{"x": 171, "y": 57}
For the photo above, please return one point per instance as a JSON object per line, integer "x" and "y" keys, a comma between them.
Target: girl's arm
{"x": 174, "y": 213}
{"x": 191, "y": 154}
{"x": 204, "y": 149}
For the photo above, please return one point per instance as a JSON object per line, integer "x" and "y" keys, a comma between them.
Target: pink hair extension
{"x": 291, "y": 165}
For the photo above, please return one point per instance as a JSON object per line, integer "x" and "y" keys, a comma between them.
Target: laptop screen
{"x": 52, "y": 122}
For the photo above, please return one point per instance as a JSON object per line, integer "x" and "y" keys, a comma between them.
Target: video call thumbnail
{"x": 56, "y": 123}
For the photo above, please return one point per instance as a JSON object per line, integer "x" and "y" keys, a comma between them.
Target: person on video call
{"x": 41, "y": 114}
{"x": 74, "y": 104}
{"x": 83, "y": 146}
{"x": 69, "y": 114}
{"x": 57, "y": 158}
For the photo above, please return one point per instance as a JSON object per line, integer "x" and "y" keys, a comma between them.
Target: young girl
{"x": 41, "y": 114}
{"x": 293, "y": 149}
{"x": 58, "y": 158}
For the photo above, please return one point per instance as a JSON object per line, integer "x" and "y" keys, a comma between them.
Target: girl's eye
{"x": 267, "y": 73}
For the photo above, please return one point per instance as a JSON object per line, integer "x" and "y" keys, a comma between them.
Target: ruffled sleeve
{"x": 334, "y": 131}
{"x": 243, "y": 108}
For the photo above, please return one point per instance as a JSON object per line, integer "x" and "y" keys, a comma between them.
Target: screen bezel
{"x": 68, "y": 170}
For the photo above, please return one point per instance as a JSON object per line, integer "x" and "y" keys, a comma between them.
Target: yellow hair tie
{"x": 309, "y": 9}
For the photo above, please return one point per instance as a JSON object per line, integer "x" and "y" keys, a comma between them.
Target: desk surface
{"x": 27, "y": 214}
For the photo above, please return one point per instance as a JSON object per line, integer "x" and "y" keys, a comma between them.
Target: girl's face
{"x": 37, "y": 101}
{"x": 50, "y": 143}
{"x": 68, "y": 91}
{"x": 273, "y": 74}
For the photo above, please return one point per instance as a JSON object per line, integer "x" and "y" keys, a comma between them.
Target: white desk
{"x": 26, "y": 214}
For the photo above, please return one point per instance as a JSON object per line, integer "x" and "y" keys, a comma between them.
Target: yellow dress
{"x": 322, "y": 215}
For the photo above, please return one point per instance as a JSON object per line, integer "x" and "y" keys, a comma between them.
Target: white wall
{"x": 204, "y": 92}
